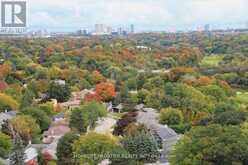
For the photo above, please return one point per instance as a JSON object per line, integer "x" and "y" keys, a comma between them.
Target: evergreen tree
{"x": 18, "y": 155}
{"x": 6, "y": 128}
{"x": 27, "y": 98}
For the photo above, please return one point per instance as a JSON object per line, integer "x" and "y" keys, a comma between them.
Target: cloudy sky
{"x": 144, "y": 14}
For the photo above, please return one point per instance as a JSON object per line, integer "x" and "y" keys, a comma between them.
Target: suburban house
{"x": 59, "y": 117}
{"x": 75, "y": 100}
{"x": 31, "y": 154}
{"x": 60, "y": 82}
{"x": 7, "y": 116}
{"x": 118, "y": 108}
{"x": 57, "y": 130}
{"x": 139, "y": 107}
{"x": 164, "y": 135}
{"x": 51, "y": 137}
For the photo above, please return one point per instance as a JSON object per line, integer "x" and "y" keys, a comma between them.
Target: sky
{"x": 146, "y": 15}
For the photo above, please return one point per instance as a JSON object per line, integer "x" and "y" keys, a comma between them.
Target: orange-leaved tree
{"x": 106, "y": 91}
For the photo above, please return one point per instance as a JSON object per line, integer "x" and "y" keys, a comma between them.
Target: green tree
{"x": 143, "y": 145}
{"x": 178, "y": 95}
{"x": 92, "y": 144}
{"x": 213, "y": 144}
{"x": 5, "y": 128}
{"x": 124, "y": 92}
{"x": 142, "y": 94}
{"x": 168, "y": 63}
{"x": 154, "y": 99}
{"x": 60, "y": 92}
{"x": 27, "y": 98}
{"x": 132, "y": 84}
{"x": 216, "y": 92}
{"x": 122, "y": 157}
{"x": 26, "y": 127}
{"x": 42, "y": 119}
{"x": 47, "y": 108}
{"x": 230, "y": 118}
{"x": 64, "y": 149}
{"x": 79, "y": 120}
{"x": 224, "y": 107}
{"x": 154, "y": 82}
{"x": 87, "y": 115}
{"x": 141, "y": 79}
{"x": 95, "y": 111}
{"x": 5, "y": 145}
{"x": 132, "y": 99}
{"x": 171, "y": 116}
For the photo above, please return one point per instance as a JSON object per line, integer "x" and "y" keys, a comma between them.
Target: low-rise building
{"x": 56, "y": 131}
{"x": 75, "y": 100}
{"x": 162, "y": 133}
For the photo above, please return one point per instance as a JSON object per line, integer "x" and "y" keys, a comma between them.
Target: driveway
{"x": 105, "y": 125}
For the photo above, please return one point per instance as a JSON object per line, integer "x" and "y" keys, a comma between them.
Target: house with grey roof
{"x": 58, "y": 117}
{"x": 76, "y": 99}
{"x": 8, "y": 115}
{"x": 164, "y": 135}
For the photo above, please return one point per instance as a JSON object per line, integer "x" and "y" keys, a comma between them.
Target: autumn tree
{"x": 95, "y": 77}
{"x": 8, "y": 103}
{"x": 5, "y": 69}
{"x": 93, "y": 96}
{"x": 106, "y": 91}
{"x": 26, "y": 127}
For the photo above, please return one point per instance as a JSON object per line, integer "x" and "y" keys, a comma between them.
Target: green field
{"x": 213, "y": 60}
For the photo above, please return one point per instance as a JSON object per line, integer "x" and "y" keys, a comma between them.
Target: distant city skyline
{"x": 146, "y": 15}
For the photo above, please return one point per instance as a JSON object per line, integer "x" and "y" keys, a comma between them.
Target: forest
{"x": 196, "y": 82}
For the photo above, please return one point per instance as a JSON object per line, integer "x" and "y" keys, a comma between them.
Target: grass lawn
{"x": 115, "y": 116}
{"x": 212, "y": 60}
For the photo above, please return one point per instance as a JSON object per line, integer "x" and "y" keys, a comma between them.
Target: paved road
{"x": 105, "y": 125}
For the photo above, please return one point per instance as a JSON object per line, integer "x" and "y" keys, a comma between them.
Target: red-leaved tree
{"x": 93, "y": 96}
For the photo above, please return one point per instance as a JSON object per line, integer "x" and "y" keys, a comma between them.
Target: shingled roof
{"x": 149, "y": 117}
